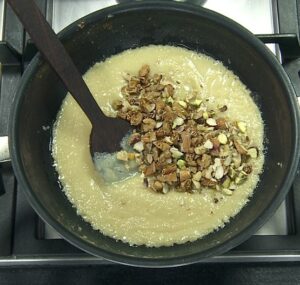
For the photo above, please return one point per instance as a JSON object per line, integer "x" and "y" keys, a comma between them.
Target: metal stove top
{"x": 242, "y": 11}
{"x": 26, "y": 239}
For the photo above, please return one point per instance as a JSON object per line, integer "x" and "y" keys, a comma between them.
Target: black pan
{"x": 110, "y": 31}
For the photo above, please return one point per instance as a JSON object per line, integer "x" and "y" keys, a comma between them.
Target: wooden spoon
{"x": 106, "y": 132}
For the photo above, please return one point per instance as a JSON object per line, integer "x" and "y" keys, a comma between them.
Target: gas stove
{"x": 26, "y": 240}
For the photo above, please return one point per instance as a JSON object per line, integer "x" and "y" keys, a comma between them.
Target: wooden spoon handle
{"x": 52, "y": 49}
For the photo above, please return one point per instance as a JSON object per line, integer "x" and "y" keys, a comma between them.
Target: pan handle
{"x": 4, "y": 150}
{"x": 292, "y": 69}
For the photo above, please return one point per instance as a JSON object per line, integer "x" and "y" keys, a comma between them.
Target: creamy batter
{"x": 126, "y": 210}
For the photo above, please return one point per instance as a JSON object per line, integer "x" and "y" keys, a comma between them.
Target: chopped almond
{"x": 160, "y": 105}
{"x": 169, "y": 169}
{"x": 148, "y": 125}
{"x": 186, "y": 141}
{"x": 144, "y": 71}
{"x": 239, "y": 147}
{"x": 205, "y": 161}
{"x": 221, "y": 123}
{"x": 171, "y": 177}
{"x": 207, "y": 182}
{"x": 157, "y": 186}
{"x": 162, "y": 145}
{"x": 184, "y": 175}
{"x": 136, "y": 118}
{"x": 169, "y": 89}
{"x": 149, "y": 137}
{"x": 215, "y": 142}
{"x": 150, "y": 170}
{"x": 186, "y": 185}
{"x": 181, "y": 144}
{"x": 135, "y": 137}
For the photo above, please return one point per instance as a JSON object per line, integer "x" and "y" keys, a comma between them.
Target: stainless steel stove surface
{"x": 26, "y": 239}
{"x": 243, "y": 12}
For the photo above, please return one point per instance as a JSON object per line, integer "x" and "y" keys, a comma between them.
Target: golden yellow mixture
{"x": 127, "y": 210}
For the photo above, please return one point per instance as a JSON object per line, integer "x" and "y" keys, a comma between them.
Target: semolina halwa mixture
{"x": 197, "y": 147}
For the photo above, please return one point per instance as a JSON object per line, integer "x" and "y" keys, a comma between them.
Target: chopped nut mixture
{"x": 182, "y": 145}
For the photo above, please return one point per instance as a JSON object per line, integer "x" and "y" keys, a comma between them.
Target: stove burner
{"x": 26, "y": 239}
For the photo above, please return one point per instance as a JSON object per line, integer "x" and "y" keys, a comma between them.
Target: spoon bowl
{"x": 106, "y": 136}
